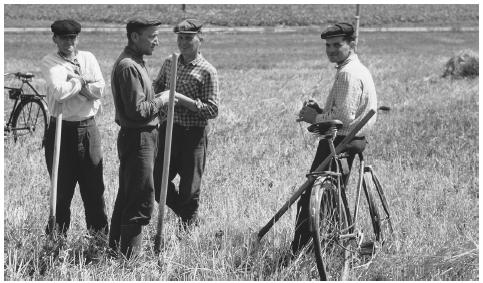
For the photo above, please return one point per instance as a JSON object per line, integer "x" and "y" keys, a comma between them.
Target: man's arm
{"x": 62, "y": 87}
{"x": 94, "y": 88}
{"x": 133, "y": 97}
{"x": 206, "y": 106}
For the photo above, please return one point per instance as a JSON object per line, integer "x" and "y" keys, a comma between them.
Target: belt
{"x": 84, "y": 122}
{"x": 144, "y": 128}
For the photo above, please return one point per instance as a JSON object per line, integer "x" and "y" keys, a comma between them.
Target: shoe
{"x": 131, "y": 240}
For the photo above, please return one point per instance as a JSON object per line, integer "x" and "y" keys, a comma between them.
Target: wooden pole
{"x": 358, "y": 11}
{"x": 55, "y": 173}
{"x": 310, "y": 179}
{"x": 167, "y": 153}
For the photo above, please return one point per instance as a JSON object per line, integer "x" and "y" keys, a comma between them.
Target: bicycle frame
{"x": 311, "y": 179}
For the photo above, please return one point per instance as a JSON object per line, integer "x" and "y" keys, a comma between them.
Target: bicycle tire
{"x": 29, "y": 122}
{"x": 373, "y": 210}
{"x": 331, "y": 253}
{"x": 378, "y": 206}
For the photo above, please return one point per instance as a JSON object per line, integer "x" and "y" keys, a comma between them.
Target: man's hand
{"x": 307, "y": 114}
{"x": 164, "y": 97}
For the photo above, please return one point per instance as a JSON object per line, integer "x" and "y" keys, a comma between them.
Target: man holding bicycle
{"x": 352, "y": 96}
{"x": 75, "y": 87}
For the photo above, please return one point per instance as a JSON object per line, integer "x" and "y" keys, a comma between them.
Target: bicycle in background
{"x": 29, "y": 116}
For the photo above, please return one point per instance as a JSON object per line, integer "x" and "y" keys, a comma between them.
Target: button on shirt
{"x": 198, "y": 80}
{"x": 60, "y": 90}
{"x": 132, "y": 89}
{"x": 352, "y": 96}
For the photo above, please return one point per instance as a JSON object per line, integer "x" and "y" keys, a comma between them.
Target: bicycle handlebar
{"x": 21, "y": 75}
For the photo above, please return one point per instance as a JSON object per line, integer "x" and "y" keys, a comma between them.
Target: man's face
{"x": 146, "y": 40}
{"x": 188, "y": 44}
{"x": 67, "y": 44}
{"x": 337, "y": 49}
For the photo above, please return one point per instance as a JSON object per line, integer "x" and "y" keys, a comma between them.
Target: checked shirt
{"x": 198, "y": 80}
{"x": 352, "y": 96}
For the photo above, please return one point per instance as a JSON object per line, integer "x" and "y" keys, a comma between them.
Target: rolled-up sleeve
{"x": 136, "y": 107}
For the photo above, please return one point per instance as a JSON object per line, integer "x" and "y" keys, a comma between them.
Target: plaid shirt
{"x": 198, "y": 80}
{"x": 351, "y": 97}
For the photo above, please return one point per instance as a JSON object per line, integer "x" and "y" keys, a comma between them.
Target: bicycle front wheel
{"x": 30, "y": 122}
{"x": 328, "y": 222}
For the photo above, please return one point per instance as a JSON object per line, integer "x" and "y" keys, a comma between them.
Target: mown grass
{"x": 425, "y": 151}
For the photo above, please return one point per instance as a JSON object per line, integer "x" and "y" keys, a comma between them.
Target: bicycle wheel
{"x": 30, "y": 122}
{"x": 328, "y": 220}
{"x": 378, "y": 206}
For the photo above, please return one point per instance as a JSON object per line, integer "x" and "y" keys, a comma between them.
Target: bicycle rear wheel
{"x": 328, "y": 219}
{"x": 30, "y": 122}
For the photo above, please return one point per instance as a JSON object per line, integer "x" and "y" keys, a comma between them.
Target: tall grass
{"x": 425, "y": 151}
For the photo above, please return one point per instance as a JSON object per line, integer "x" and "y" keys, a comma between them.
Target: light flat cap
{"x": 188, "y": 26}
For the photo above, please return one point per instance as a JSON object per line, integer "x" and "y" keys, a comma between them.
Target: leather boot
{"x": 131, "y": 239}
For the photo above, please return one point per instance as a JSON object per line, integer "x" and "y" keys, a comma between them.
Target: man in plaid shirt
{"x": 352, "y": 96}
{"x": 197, "y": 94}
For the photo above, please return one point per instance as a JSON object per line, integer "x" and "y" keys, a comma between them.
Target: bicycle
{"x": 336, "y": 235}
{"x": 29, "y": 115}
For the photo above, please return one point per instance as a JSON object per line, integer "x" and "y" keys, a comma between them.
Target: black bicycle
{"x": 29, "y": 117}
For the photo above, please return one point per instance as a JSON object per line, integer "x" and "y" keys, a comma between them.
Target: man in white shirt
{"x": 351, "y": 97}
{"x": 74, "y": 88}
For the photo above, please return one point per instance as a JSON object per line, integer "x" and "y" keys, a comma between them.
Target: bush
{"x": 463, "y": 65}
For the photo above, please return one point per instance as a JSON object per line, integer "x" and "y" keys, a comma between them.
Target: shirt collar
{"x": 349, "y": 59}
{"x": 135, "y": 55}
{"x": 193, "y": 62}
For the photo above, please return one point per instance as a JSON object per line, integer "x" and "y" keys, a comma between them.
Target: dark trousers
{"x": 80, "y": 160}
{"x": 137, "y": 149}
{"x": 302, "y": 226}
{"x": 188, "y": 158}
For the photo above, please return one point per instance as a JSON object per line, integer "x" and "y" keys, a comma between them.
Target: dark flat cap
{"x": 188, "y": 26}
{"x": 339, "y": 29}
{"x": 66, "y": 27}
{"x": 134, "y": 24}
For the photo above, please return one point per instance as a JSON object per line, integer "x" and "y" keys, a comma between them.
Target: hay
{"x": 463, "y": 65}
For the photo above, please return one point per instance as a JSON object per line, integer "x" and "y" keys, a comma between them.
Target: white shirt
{"x": 352, "y": 96}
{"x": 65, "y": 95}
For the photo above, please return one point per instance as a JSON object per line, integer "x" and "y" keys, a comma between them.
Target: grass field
{"x": 425, "y": 151}
{"x": 247, "y": 15}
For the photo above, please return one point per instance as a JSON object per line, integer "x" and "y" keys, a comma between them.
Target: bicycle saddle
{"x": 25, "y": 75}
{"x": 323, "y": 127}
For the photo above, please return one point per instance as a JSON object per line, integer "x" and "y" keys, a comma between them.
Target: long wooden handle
{"x": 167, "y": 153}
{"x": 55, "y": 173}
{"x": 358, "y": 12}
{"x": 310, "y": 179}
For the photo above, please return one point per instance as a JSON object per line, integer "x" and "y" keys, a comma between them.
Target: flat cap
{"x": 66, "y": 27}
{"x": 134, "y": 24}
{"x": 339, "y": 29}
{"x": 188, "y": 26}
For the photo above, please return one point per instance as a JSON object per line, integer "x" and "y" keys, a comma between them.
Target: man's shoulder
{"x": 207, "y": 66}
{"x": 85, "y": 54}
